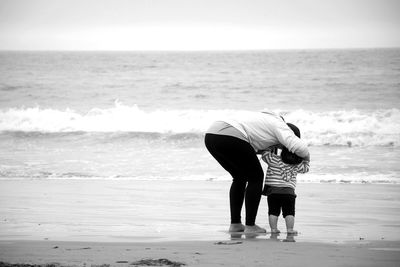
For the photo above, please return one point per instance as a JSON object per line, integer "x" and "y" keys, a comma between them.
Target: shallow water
{"x": 164, "y": 210}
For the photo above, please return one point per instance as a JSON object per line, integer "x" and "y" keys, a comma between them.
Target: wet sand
{"x": 117, "y": 222}
{"x": 202, "y": 253}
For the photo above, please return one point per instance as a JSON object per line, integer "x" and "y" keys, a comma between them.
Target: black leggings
{"x": 238, "y": 158}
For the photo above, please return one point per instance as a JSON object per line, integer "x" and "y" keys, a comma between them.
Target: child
{"x": 280, "y": 184}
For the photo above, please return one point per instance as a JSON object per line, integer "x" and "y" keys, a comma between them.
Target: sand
{"x": 203, "y": 253}
{"x": 121, "y": 222}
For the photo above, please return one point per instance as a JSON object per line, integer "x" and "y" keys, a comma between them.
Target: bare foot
{"x": 254, "y": 229}
{"x": 236, "y": 227}
{"x": 275, "y": 231}
{"x": 291, "y": 232}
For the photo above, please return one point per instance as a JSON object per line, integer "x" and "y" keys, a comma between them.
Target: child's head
{"x": 287, "y": 156}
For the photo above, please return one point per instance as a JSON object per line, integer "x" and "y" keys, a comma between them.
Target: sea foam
{"x": 332, "y": 128}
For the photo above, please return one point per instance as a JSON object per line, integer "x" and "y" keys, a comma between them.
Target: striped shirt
{"x": 280, "y": 174}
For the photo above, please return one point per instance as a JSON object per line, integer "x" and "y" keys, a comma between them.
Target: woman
{"x": 235, "y": 143}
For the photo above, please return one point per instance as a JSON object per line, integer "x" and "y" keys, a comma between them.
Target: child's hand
{"x": 265, "y": 155}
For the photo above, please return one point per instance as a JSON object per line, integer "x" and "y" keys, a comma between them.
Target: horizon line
{"x": 199, "y": 50}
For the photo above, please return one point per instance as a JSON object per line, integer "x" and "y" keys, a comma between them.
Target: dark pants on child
{"x": 239, "y": 158}
{"x": 284, "y": 202}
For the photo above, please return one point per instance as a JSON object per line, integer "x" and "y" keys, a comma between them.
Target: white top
{"x": 265, "y": 129}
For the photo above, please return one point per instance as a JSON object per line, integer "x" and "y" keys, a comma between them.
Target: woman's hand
{"x": 307, "y": 158}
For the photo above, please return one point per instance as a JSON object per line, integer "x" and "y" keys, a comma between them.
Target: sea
{"x": 142, "y": 115}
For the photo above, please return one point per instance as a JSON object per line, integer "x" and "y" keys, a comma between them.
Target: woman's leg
{"x": 239, "y": 159}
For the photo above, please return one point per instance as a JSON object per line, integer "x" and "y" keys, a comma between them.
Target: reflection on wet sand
{"x": 283, "y": 237}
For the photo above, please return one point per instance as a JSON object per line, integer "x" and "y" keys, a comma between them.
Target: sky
{"x": 198, "y": 24}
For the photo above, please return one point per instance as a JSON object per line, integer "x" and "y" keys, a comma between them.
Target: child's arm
{"x": 269, "y": 156}
{"x": 303, "y": 167}
{"x": 266, "y": 156}
{"x": 275, "y": 164}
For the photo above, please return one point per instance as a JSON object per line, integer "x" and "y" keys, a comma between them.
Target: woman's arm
{"x": 287, "y": 138}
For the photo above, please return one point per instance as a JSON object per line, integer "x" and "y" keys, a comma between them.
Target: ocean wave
{"x": 102, "y": 136}
{"x": 324, "y": 128}
{"x": 349, "y": 127}
{"x": 363, "y": 178}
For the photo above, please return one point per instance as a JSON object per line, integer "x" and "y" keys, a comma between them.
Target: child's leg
{"x": 288, "y": 209}
{"x": 273, "y": 223}
{"x": 289, "y": 219}
{"x": 274, "y": 210}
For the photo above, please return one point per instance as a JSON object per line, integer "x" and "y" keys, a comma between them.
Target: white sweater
{"x": 265, "y": 129}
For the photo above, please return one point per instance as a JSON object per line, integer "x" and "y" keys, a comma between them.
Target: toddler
{"x": 280, "y": 184}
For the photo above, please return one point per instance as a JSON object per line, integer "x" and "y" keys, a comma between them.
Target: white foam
{"x": 349, "y": 128}
{"x": 345, "y": 127}
{"x": 361, "y": 178}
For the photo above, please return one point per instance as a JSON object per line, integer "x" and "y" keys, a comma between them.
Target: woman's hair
{"x": 287, "y": 156}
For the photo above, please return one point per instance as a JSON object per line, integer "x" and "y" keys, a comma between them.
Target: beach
{"x": 93, "y": 222}
{"x": 103, "y": 160}
{"x": 202, "y": 253}
{"x": 105, "y": 111}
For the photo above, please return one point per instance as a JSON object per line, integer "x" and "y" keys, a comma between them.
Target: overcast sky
{"x": 197, "y": 24}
